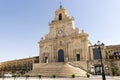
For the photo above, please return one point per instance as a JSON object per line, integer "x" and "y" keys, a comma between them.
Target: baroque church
{"x": 65, "y": 50}
{"x": 64, "y": 42}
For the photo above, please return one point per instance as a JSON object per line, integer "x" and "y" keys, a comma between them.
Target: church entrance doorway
{"x": 78, "y": 57}
{"x": 60, "y": 55}
{"x": 46, "y": 60}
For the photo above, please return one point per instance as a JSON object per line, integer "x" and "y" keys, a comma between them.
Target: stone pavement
{"x": 77, "y": 78}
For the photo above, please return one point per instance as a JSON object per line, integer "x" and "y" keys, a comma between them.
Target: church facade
{"x": 64, "y": 41}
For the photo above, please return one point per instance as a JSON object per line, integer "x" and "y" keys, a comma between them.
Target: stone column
{"x": 51, "y": 53}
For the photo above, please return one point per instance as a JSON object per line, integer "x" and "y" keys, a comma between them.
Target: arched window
{"x": 60, "y": 16}
{"x": 60, "y": 43}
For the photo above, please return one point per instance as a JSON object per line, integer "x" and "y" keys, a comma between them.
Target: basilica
{"x": 66, "y": 50}
{"x": 64, "y": 42}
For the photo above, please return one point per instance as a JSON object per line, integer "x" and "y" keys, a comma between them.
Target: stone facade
{"x": 110, "y": 58}
{"x": 64, "y": 42}
{"x": 20, "y": 66}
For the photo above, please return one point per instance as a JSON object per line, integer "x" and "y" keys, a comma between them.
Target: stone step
{"x": 79, "y": 64}
{"x": 58, "y": 69}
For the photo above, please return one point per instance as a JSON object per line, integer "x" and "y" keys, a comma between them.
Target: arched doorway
{"x": 78, "y": 57}
{"x": 60, "y": 55}
{"x": 46, "y": 60}
{"x": 98, "y": 69}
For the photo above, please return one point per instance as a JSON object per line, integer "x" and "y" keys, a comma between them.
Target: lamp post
{"x": 98, "y": 45}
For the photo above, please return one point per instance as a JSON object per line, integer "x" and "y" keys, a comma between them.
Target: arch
{"x": 60, "y": 55}
{"x": 60, "y": 16}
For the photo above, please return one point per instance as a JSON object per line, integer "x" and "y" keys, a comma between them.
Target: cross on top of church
{"x": 60, "y": 5}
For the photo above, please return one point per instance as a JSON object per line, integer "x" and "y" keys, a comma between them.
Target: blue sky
{"x": 24, "y": 22}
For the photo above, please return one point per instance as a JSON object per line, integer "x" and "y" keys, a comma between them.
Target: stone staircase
{"x": 80, "y": 64}
{"x": 59, "y": 69}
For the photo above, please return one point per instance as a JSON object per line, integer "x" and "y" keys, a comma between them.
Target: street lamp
{"x": 99, "y": 45}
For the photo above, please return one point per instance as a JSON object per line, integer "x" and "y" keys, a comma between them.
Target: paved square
{"x": 77, "y": 78}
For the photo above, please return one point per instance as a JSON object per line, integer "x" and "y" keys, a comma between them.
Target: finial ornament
{"x": 60, "y": 5}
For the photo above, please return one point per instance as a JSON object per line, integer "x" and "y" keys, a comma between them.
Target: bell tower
{"x": 62, "y": 24}
{"x": 61, "y": 14}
